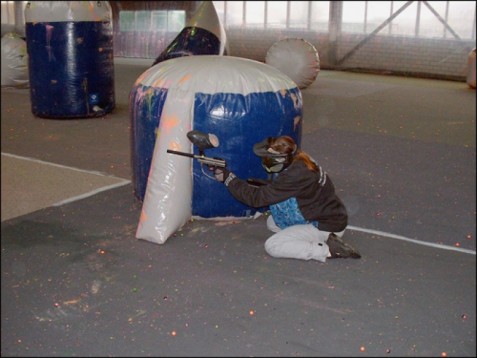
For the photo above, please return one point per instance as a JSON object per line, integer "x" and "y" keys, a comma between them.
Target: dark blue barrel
{"x": 70, "y": 58}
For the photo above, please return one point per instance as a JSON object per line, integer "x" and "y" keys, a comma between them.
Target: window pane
{"x": 462, "y": 18}
{"x": 176, "y": 20}
{"x": 320, "y": 14}
{"x": 255, "y": 16}
{"x": 234, "y": 13}
{"x": 405, "y": 22}
{"x": 276, "y": 14}
{"x": 143, "y": 20}
{"x": 159, "y": 21}
{"x": 429, "y": 24}
{"x": 299, "y": 14}
{"x": 378, "y": 12}
{"x": 127, "y": 21}
{"x": 353, "y": 17}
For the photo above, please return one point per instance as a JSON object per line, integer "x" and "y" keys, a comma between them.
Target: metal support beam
{"x": 334, "y": 30}
{"x": 372, "y": 34}
{"x": 444, "y": 22}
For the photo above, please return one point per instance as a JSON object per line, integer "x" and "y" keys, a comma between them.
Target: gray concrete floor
{"x": 76, "y": 282}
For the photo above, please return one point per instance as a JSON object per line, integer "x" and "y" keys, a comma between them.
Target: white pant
{"x": 303, "y": 242}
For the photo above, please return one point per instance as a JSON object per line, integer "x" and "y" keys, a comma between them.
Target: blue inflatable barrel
{"x": 70, "y": 58}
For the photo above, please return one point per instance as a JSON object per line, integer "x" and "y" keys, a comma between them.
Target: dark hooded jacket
{"x": 314, "y": 192}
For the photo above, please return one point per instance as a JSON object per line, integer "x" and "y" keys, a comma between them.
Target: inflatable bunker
{"x": 296, "y": 58}
{"x": 14, "y": 61}
{"x": 70, "y": 58}
{"x": 203, "y": 34}
{"x": 240, "y": 101}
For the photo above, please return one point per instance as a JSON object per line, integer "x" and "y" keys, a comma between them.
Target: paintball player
{"x": 307, "y": 216}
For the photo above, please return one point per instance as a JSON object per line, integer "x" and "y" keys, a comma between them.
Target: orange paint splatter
{"x": 162, "y": 83}
{"x": 169, "y": 122}
{"x": 72, "y": 302}
{"x": 175, "y": 146}
{"x": 143, "y": 217}
{"x": 159, "y": 83}
{"x": 185, "y": 79}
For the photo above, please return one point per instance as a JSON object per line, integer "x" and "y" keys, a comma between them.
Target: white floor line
{"x": 124, "y": 182}
{"x": 393, "y": 236}
{"x": 82, "y": 196}
{"x": 61, "y": 166}
{"x": 91, "y": 193}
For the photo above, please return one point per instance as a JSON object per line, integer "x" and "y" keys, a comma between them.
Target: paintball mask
{"x": 272, "y": 160}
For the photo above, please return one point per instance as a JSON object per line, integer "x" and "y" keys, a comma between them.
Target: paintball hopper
{"x": 203, "y": 140}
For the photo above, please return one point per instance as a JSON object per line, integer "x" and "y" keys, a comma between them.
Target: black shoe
{"x": 340, "y": 249}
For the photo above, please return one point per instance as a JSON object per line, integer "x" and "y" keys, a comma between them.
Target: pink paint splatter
{"x": 49, "y": 32}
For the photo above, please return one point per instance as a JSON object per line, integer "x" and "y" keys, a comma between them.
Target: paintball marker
{"x": 202, "y": 141}
{"x": 205, "y": 141}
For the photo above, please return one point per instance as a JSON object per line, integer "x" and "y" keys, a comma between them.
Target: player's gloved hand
{"x": 222, "y": 175}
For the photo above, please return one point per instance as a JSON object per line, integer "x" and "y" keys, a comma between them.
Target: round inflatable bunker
{"x": 240, "y": 101}
{"x": 297, "y": 58}
{"x": 70, "y": 58}
{"x": 14, "y": 61}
